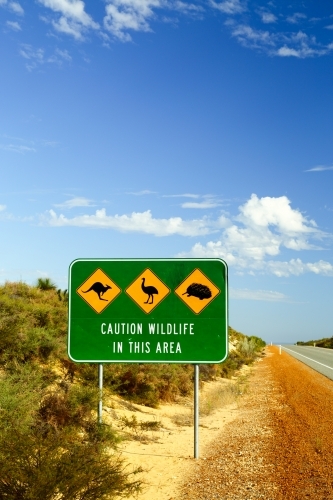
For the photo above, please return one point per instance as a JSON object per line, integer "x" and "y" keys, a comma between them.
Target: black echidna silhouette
{"x": 98, "y": 288}
{"x": 199, "y": 291}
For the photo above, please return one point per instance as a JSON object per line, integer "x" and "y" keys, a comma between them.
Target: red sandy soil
{"x": 281, "y": 444}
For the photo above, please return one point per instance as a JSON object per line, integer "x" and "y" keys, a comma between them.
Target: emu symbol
{"x": 150, "y": 291}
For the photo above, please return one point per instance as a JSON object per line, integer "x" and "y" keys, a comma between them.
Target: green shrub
{"x": 61, "y": 466}
{"x": 45, "y": 284}
{"x": 33, "y": 324}
{"x": 51, "y": 446}
{"x": 148, "y": 384}
{"x": 247, "y": 347}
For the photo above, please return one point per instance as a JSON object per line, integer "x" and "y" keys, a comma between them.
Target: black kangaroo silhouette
{"x": 98, "y": 288}
{"x": 149, "y": 290}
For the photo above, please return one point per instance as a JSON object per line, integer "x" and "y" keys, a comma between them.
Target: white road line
{"x": 295, "y": 352}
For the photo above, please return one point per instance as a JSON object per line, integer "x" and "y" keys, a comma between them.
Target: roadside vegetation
{"x": 326, "y": 342}
{"x": 50, "y": 444}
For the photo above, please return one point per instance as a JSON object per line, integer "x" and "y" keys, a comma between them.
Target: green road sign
{"x": 148, "y": 311}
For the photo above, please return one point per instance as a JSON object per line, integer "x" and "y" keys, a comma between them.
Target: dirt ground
{"x": 274, "y": 441}
{"x": 280, "y": 445}
{"x": 166, "y": 454}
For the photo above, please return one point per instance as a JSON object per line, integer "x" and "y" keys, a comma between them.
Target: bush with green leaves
{"x": 33, "y": 324}
{"x": 46, "y": 284}
{"x": 148, "y": 384}
{"x": 51, "y": 446}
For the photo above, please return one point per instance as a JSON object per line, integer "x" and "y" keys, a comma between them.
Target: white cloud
{"x": 36, "y": 57}
{"x": 201, "y": 204}
{"x": 268, "y": 211}
{"x": 58, "y": 57}
{"x": 262, "y": 229}
{"x": 296, "y": 18}
{"x": 229, "y": 6}
{"x": 13, "y": 25}
{"x": 252, "y": 38}
{"x": 13, "y": 6}
{"x": 264, "y": 295}
{"x": 268, "y": 17}
{"x": 301, "y": 45}
{"x": 319, "y": 168}
{"x": 280, "y": 44}
{"x": 75, "y": 202}
{"x": 187, "y": 8}
{"x": 69, "y": 27}
{"x": 142, "y": 193}
{"x": 207, "y": 200}
{"x": 28, "y": 52}
{"x": 2, "y": 208}
{"x": 122, "y": 15}
{"x": 73, "y": 20}
{"x": 288, "y": 52}
{"x": 296, "y": 267}
{"x": 141, "y": 222}
{"x": 275, "y": 42}
{"x": 16, "y": 7}
{"x": 125, "y": 16}
{"x": 185, "y": 195}
{"x": 18, "y": 148}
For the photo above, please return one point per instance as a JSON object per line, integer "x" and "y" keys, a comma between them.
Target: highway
{"x": 318, "y": 358}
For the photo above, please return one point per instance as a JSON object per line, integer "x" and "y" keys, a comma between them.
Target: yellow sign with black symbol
{"x": 197, "y": 291}
{"x": 148, "y": 291}
{"x": 98, "y": 291}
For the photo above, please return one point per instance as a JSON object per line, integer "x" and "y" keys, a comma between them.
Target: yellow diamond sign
{"x": 98, "y": 291}
{"x": 197, "y": 291}
{"x": 147, "y": 290}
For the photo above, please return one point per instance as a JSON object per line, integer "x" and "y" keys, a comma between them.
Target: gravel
{"x": 280, "y": 446}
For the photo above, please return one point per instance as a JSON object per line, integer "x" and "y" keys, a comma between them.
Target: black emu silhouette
{"x": 199, "y": 291}
{"x": 98, "y": 288}
{"x": 149, "y": 290}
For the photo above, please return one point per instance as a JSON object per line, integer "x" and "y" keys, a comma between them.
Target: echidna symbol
{"x": 199, "y": 291}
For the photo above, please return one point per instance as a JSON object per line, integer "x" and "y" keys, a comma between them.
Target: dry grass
{"x": 214, "y": 397}
{"x": 218, "y": 397}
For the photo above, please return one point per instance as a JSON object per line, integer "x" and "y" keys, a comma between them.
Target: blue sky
{"x": 165, "y": 128}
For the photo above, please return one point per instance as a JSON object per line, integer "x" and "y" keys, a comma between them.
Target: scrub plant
{"x": 50, "y": 444}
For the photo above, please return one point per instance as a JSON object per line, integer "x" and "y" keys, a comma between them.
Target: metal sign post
{"x": 100, "y": 387}
{"x": 196, "y": 411}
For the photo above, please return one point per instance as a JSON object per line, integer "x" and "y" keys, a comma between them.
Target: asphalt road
{"x": 318, "y": 358}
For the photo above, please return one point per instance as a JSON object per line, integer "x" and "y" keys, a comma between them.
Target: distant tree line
{"x": 326, "y": 342}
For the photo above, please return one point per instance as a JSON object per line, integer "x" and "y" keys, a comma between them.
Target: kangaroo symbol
{"x": 98, "y": 288}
